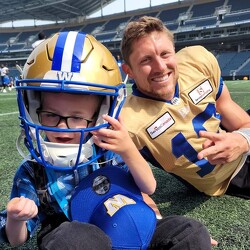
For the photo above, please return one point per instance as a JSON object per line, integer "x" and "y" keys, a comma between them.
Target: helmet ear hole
{"x": 30, "y": 62}
{"x": 106, "y": 68}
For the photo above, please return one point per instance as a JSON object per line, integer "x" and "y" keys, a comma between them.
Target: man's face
{"x": 153, "y": 65}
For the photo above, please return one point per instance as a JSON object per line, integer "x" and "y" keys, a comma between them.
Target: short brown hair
{"x": 140, "y": 28}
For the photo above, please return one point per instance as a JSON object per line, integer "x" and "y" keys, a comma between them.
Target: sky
{"x": 117, "y": 6}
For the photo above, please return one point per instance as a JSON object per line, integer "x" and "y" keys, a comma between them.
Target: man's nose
{"x": 160, "y": 64}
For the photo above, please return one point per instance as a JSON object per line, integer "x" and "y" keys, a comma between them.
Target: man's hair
{"x": 140, "y": 28}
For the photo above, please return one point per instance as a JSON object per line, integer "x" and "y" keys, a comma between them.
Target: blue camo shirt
{"x": 24, "y": 185}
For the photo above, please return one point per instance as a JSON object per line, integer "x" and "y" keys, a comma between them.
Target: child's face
{"x": 76, "y": 106}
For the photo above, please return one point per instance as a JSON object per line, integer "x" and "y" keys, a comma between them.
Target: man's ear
{"x": 126, "y": 69}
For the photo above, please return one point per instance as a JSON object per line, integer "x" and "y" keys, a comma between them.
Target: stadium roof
{"x": 51, "y": 10}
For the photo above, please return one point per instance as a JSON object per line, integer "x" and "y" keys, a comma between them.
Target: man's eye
{"x": 166, "y": 54}
{"x": 145, "y": 60}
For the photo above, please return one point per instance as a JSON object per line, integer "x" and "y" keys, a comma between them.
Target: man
{"x": 41, "y": 37}
{"x": 178, "y": 106}
{"x": 4, "y": 77}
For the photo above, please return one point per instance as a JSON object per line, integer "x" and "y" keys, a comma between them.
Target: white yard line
{"x": 240, "y": 92}
{"x": 11, "y": 113}
{"x": 7, "y": 98}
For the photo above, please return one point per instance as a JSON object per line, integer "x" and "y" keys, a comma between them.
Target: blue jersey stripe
{"x": 220, "y": 88}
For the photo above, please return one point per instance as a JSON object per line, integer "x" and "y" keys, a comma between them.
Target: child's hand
{"x": 116, "y": 139}
{"x": 21, "y": 209}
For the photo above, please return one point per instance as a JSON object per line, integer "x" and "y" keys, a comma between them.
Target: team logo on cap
{"x": 116, "y": 202}
{"x": 101, "y": 185}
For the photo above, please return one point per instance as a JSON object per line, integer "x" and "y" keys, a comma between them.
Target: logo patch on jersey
{"x": 184, "y": 111}
{"x": 160, "y": 125}
{"x": 200, "y": 92}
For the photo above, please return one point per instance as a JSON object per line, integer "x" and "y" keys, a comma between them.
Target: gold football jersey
{"x": 166, "y": 133}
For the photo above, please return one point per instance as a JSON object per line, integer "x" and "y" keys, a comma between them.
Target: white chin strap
{"x": 65, "y": 155}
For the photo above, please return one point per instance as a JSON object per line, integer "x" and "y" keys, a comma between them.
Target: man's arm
{"x": 220, "y": 148}
{"x": 233, "y": 116}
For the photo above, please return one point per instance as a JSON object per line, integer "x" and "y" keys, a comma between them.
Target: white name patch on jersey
{"x": 160, "y": 125}
{"x": 200, "y": 92}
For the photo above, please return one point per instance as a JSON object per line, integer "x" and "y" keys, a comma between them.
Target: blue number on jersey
{"x": 180, "y": 145}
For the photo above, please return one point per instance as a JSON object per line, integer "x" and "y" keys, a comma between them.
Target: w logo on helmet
{"x": 65, "y": 75}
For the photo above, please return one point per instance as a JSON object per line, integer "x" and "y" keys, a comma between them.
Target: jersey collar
{"x": 137, "y": 92}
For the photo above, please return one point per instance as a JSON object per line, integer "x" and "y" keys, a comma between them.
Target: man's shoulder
{"x": 196, "y": 57}
{"x": 138, "y": 113}
{"x": 194, "y": 53}
{"x": 133, "y": 99}
{"x": 192, "y": 49}
{"x": 134, "y": 104}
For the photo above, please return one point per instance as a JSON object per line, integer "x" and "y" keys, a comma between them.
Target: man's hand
{"x": 220, "y": 148}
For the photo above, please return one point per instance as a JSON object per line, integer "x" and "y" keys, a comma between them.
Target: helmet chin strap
{"x": 57, "y": 154}
{"x": 19, "y": 141}
{"x": 65, "y": 155}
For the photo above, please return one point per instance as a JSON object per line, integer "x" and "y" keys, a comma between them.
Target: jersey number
{"x": 181, "y": 147}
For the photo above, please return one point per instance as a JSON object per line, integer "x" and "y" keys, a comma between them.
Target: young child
{"x": 84, "y": 178}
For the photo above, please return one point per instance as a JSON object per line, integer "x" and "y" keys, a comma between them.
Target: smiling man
{"x": 175, "y": 112}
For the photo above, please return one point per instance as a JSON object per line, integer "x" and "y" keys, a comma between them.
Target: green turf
{"x": 240, "y": 91}
{"x": 227, "y": 218}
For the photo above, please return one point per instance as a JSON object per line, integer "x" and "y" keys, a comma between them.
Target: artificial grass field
{"x": 227, "y": 218}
